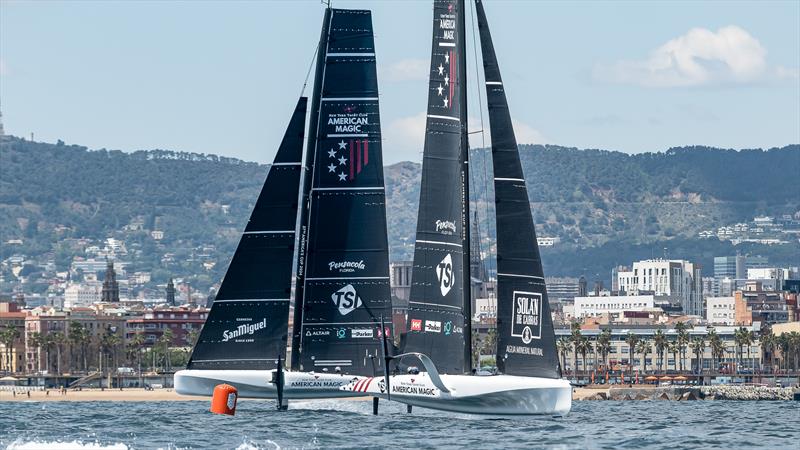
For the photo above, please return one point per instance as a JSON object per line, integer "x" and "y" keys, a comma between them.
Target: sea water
{"x": 350, "y": 424}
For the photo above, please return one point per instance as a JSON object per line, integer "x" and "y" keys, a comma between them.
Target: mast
{"x": 246, "y": 327}
{"x": 438, "y": 316}
{"x": 467, "y": 262}
{"x": 525, "y": 336}
{"x": 345, "y": 290}
{"x": 302, "y": 219}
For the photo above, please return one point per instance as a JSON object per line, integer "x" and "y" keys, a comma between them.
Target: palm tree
{"x": 576, "y": 338}
{"x": 491, "y": 338}
{"x": 660, "y": 340}
{"x": 643, "y": 347}
{"x": 698, "y": 347}
{"x": 603, "y": 345}
{"x": 675, "y": 349}
{"x": 585, "y": 347}
{"x": 768, "y": 345}
{"x": 563, "y": 346}
{"x": 717, "y": 347}
{"x": 683, "y": 339}
{"x": 740, "y": 339}
{"x": 166, "y": 340}
{"x": 136, "y": 343}
{"x": 79, "y": 337}
{"x": 631, "y": 339}
{"x": 35, "y": 341}
{"x": 58, "y": 340}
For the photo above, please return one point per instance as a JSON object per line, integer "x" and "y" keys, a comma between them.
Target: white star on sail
{"x": 331, "y": 168}
{"x": 342, "y": 160}
{"x": 342, "y": 176}
{"x": 332, "y": 153}
{"x": 440, "y": 88}
{"x": 342, "y": 145}
{"x": 446, "y": 81}
{"x": 447, "y": 57}
{"x": 445, "y": 103}
{"x": 441, "y": 70}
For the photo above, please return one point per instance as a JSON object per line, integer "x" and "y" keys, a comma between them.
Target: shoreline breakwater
{"x": 684, "y": 393}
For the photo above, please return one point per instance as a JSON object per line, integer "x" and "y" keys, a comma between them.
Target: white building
{"x": 678, "y": 279}
{"x": 721, "y": 310}
{"x": 485, "y": 308}
{"x": 611, "y": 304}
{"x": 82, "y": 294}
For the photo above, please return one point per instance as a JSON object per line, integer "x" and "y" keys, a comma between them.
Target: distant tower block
{"x": 171, "y": 293}
{"x": 477, "y": 268}
{"x": 110, "y": 285}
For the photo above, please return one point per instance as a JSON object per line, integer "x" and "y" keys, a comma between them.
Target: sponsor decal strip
{"x": 447, "y": 44}
{"x": 509, "y": 179}
{"x": 337, "y": 323}
{"x": 326, "y": 364}
{"x": 349, "y": 135}
{"x": 286, "y": 164}
{"x": 235, "y": 359}
{"x": 494, "y": 83}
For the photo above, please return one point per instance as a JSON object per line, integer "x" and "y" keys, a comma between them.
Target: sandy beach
{"x": 92, "y": 395}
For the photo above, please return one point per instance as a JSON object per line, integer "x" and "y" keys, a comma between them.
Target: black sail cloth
{"x": 437, "y": 321}
{"x": 525, "y": 336}
{"x": 346, "y": 286}
{"x": 247, "y": 325}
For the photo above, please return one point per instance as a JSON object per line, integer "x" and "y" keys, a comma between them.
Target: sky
{"x": 223, "y": 77}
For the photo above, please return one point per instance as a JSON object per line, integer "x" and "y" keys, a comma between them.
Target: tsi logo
{"x": 444, "y": 272}
{"x": 433, "y": 326}
{"x": 346, "y": 299}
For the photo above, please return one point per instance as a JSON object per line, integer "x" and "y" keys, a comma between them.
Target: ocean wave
{"x": 63, "y": 445}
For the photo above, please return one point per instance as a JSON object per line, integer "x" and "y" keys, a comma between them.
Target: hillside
{"x": 606, "y": 207}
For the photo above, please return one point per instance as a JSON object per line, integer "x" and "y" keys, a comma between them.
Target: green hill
{"x": 606, "y": 207}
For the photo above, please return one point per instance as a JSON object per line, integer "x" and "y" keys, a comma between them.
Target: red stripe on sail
{"x": 351, "y": 160}
{"x": 358, "y": 156}
{"x": 366, "y": 152}
{"x": 452, "y": 77}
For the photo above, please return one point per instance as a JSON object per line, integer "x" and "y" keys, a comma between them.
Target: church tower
{"x": 171, "y": 293}
{"x": 110, "y": 285}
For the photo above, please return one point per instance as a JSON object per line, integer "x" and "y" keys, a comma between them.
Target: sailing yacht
{"x": 438, "y": 335}
{"x": 325, "y": 216}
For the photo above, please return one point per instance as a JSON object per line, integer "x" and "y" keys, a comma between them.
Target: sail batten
{"x": 525, "y": 336}
{"x": 247, "y": 325}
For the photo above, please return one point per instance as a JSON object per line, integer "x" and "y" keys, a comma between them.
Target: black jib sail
{"x": 525, "y": 337}
{"x": 438, "y": 314}
{"x": 346, "y": 285}
{"x": 247, "y": 325}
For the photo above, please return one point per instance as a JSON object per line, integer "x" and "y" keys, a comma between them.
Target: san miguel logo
{"x": 526, "y": 322}
{"x": 444, "y": 273}
{"x": 445, "y": 227}
{"x": 346, "y": 266}
{"x": 244, "y": 330}
{"x": 346, "y": 299}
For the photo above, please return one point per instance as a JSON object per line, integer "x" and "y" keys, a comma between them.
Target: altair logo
{"x": 245, "y": 329}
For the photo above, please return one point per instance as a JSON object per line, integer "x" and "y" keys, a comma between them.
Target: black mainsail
{"x": 248, "y": 322}
{"x": 439, "y": 304}
{"x": 345, "y": 288}
{"x": 525, "y": 336}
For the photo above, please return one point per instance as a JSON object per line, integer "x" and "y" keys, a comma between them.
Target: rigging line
{"x": 310, "y": 67}
{"x": 486, "y": 154}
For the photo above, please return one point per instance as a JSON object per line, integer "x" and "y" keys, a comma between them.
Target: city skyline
{"x": 222, "y": 78}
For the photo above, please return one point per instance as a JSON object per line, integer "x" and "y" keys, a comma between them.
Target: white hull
{"x": 485, "y": 395}
{"x": 257, "y": 383}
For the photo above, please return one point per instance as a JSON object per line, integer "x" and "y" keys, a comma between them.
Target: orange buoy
{"x": 224, "y": 399}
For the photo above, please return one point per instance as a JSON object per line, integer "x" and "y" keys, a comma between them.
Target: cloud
{"x": 404, "y": 138}
{"x": 406, "y": 70}
{"x": 699, "y": 57}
